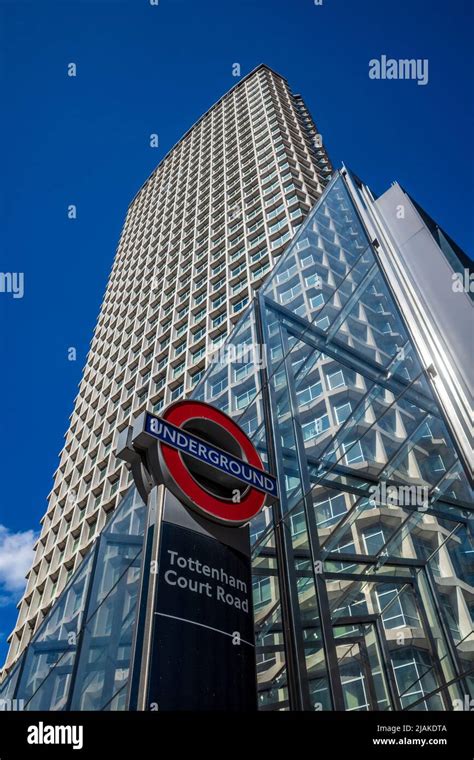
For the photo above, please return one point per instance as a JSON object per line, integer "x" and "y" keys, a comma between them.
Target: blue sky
{"x": 143, "y": 69}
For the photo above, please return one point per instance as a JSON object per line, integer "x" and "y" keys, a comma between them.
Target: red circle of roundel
{"x": 252, "y": 501}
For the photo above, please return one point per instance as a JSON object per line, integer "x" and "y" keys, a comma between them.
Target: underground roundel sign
{"x": 206, "y": 460}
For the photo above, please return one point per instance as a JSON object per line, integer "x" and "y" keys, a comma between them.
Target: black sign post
{"x": 203, "y": 652}
{"x": 200, "y": 653}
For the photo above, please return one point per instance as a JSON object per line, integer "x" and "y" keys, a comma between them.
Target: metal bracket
{"x": 137, "y": 460}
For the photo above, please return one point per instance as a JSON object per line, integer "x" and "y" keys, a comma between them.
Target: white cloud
{"x": 16, "y": 557}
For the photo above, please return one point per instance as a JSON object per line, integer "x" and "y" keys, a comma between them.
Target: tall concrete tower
{"x": 198, "y": 239}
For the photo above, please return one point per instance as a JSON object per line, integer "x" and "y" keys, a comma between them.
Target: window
{"x": 314, "y": 428}
{"x": 354, "y": 452}
{"x": 306, "y": 261}
{"x": 426, "y": 550}
{"x": 244, "y": 399}
{"x": 309, "y": 394}
{"x": 242, "y": 372}
{"x": 197, "y": 317}
{"x": 217, "y": 388}
{"x": 261, "y": 270}
{"x": 218, "y": 301}
{"x": 200, "y": 298}
{"x": 415, "y": 677}
{"x": 240, "y": 305}
{"x": 218, "y": 320}
{"x": 313, "y": 280}
{"x": 199, "y": 354}
{"x": 322, "y": 323}
{"x": 448, "y": 608}
{"x": 374, "y": 540}
{"x": 426, "y": 431}
{"x": 298, "y": 524}
{"x": 197, "y": 376}
{"x": 342, "y": 412}
{"x": 178, "y": 391}
{"x": 397, "y": 607}
{"x": 357, "y": 606}
{"x": 354, "y": 687}
{"x": 258, "y": 255}
{"x": 279, "y": 241}
{"x": 330, "y": 510}
{"x": 316, "y": 301}
{"x": 238, "y": 269}
{"x": 239, "y": 286}
{"x": 438, "y": 464}
{"x": 335, "y": 380}
{"x": 219, "y": 284}
{"x": 216, "y": 342}
{"x": 290, "y": 294}
{"x": 199, "y": 334}
{"x": 276, "y": 211}
{"x": 262, "y": 592}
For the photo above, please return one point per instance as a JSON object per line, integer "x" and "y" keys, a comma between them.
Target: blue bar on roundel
{"x": 196, "y": 447}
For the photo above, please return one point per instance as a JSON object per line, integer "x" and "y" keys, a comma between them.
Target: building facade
{"x": 363, "y": 569}
{"x": 198, "y": 239}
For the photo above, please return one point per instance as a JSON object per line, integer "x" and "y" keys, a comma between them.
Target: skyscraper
{"x": 198, "y": 239}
